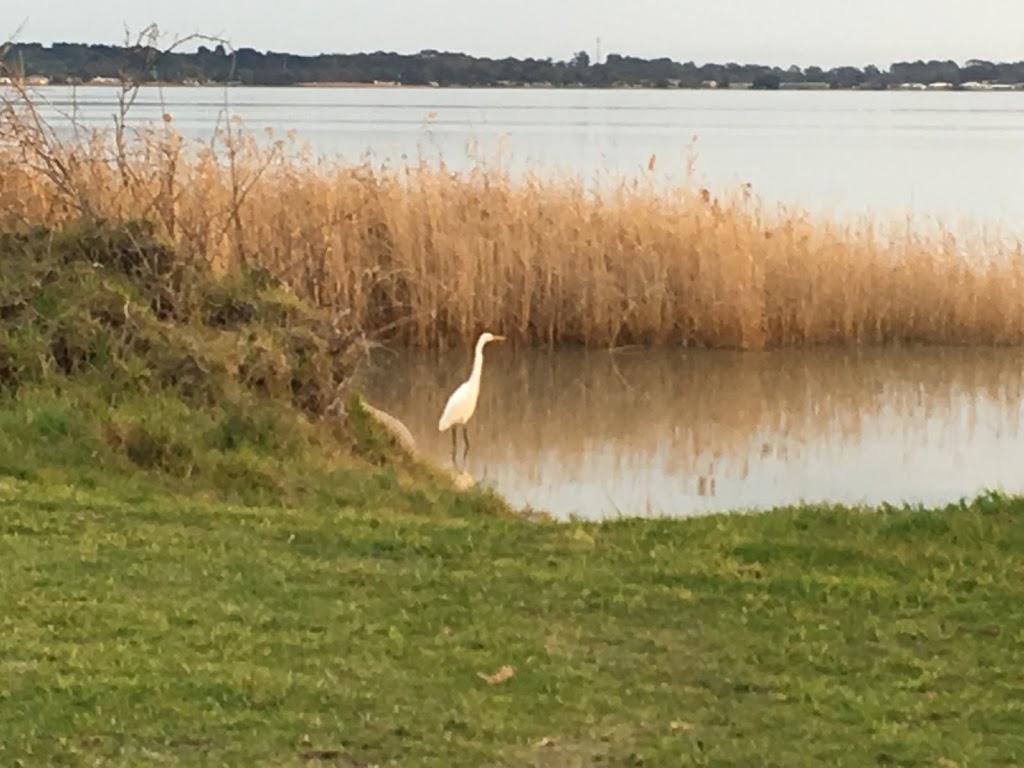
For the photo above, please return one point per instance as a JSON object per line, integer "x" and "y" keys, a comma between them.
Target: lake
{"x": 674, "y": 431}
{"x": 679, "y": 432}
{"x": 952, "y": 154}
{"x": 684, "y": 432}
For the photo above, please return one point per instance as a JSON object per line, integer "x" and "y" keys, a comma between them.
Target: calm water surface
{"x": 683, "y": 433}
{"x": 943, "y": 153}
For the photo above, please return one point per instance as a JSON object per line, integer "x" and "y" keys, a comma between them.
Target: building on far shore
{"x": 810, "y": 85}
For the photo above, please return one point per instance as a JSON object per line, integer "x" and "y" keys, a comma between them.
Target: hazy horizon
{"x": 824, "y": 33}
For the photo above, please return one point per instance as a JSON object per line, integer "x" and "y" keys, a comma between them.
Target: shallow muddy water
{"x": 598, "y": 433}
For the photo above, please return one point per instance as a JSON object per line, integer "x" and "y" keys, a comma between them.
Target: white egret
{"x": 462, "y": 403}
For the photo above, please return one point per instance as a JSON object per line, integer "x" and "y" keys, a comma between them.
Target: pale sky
{"x": 782, "y": 32}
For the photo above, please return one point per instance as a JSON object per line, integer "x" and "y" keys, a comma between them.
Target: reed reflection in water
{"x": 597, "y": 433}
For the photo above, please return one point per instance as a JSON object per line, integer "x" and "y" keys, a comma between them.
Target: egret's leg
{"x": 455, "y": 444}
{"x": 465, "y": 436}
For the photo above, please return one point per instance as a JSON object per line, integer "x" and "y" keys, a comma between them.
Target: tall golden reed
{"x": 429, "y": 257}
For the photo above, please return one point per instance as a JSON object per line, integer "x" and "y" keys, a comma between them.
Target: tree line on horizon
{"x": 81, "y": 62}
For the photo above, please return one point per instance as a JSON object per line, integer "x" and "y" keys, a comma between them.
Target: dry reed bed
{"x": 429, "y": 257}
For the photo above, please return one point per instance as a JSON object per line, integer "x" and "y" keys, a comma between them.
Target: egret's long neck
{"x": 478, "y": 363}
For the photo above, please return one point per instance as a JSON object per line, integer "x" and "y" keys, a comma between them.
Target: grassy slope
{"x": 144, "y": 629}
{"x": 119, "y": 359}
{"x": 197, "y": 568}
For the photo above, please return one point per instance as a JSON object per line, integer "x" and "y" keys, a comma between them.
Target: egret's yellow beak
{"x": 498, "y": 338}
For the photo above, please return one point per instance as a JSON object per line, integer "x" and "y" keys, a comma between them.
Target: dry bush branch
{"x": 43, "y": 150}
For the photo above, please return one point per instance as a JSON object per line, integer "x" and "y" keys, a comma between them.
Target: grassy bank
{"x": 120, "y": 355}
{"x": 430, "y": 257}
{"x": 145, "y": 630}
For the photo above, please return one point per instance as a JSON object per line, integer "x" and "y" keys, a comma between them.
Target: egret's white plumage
{"x": 462, "y": 403}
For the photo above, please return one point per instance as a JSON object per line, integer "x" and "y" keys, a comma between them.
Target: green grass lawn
{"x": 143, "y": 629}
{"x": 209, "y": 557}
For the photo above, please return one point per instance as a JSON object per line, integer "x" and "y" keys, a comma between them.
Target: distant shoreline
{"x": 347, "y": 85}
{"x": 85, "y": 64}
